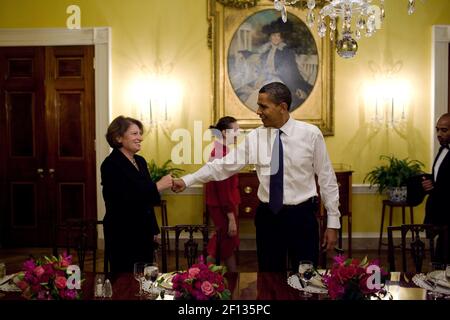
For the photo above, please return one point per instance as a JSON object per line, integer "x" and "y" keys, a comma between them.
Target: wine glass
{"x": 138, "y": 271}
{"x": 433, "y": 280}
{"x": 447, "y": 277}
{"x": 151, "y": 273}
{"x": 447, "y": 272}
{"x": 306, "y": 272}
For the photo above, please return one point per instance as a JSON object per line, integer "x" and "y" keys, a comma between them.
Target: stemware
{"x": 433, "y": 280}
{"x": 151, "y": 273}
{"x": 306, "y": 272}
{"x": 138, "y": 271}
{"x": 447, "y": 272}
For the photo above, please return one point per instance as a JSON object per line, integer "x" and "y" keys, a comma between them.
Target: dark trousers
{"x": 293, "y": 233}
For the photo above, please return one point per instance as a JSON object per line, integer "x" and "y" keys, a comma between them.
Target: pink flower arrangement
{"x": 201, "y": 282}
{"x": 352, "y": 279}
{"x": 46, "y": 279}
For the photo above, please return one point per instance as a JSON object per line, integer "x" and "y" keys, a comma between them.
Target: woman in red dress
{"x": 222, "y": 197}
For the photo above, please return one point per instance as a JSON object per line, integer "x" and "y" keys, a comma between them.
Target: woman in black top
{"x": 130, "y": 224}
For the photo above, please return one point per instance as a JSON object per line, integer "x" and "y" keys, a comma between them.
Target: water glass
{"x": 138, "y": 272}
{"x": 306, "y": 272}
{"x": 433, "y": 281}
{"x": 2, "y": 270}
{"x": 447, "y": 272}
{"x": 151, "y": 272}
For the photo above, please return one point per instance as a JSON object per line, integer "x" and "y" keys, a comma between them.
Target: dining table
{"x": 243, "y": 286}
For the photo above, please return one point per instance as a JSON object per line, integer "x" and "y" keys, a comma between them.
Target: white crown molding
{"x": 54, "y": 36}
{"x": 101, "y": 39}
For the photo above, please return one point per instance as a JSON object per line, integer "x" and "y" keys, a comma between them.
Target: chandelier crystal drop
{"x": 352, "y": 17}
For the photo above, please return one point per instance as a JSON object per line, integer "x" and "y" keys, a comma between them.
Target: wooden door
{"x": 22, "y": 117}
{"x": 48, "y": 155}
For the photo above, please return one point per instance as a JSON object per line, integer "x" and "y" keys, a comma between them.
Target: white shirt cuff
{"x": 333, "y": 222}
{"x": 188, "y": 179}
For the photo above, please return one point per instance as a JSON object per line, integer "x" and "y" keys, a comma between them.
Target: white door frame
{"x": 439, "y": 80}
{"x": 101, "y": 39}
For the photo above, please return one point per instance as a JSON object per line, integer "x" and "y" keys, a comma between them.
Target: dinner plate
{"x": 421, "y": 280}
{"x": 439, "y": 277}
{"x": 7, "y": 284}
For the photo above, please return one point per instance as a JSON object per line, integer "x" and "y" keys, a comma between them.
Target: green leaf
{"x": 156, "y": 172}
{"x": 364, "y": 262}
{"x": 394, "y": 174}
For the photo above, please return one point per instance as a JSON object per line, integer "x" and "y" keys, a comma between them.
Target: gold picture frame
{"x": 226, "y": 17}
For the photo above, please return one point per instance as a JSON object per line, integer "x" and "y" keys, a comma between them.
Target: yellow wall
{"x": 171, "y": 37}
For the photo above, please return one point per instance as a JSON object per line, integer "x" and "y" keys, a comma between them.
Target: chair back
{"x": 80, "y": 235}
{"x": 191, "y": 246}
{"x": 419, "y": 245}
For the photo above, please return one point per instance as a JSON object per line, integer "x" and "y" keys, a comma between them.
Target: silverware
{"x": 301, "y": 281}
{"x": 430, "y": 283}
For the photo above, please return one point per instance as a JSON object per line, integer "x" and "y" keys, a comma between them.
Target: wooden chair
{"x": 419, "y": 246}
{"x": 191, "y": 246}
{"x": 164, "y": 221}
{"x": 80, "y": 235}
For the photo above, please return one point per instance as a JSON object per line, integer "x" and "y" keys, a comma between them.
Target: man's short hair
{"x": 278, "y": 92}
{"x": 117, "y": 129}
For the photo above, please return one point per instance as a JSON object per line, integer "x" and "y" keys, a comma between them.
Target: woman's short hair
{"x": 117, "y": 129}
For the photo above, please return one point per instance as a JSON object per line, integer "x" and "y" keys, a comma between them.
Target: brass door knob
{"x": 40, "y": 172}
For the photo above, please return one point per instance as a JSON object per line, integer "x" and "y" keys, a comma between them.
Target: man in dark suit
{"x": 437, "y": 209}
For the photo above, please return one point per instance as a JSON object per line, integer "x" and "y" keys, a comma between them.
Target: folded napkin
{"x": 165, "y": 280}
{"x": 443, "y": 283}
{"x": 317, "y": 282}
{"x": 7, "y": 284}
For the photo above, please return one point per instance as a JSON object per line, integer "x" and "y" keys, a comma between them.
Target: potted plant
{"x": 393, "y": 176}
{"x": 156, "y": 172}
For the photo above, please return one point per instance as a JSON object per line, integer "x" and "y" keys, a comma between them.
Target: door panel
{"x": 47, "y": 135}
{"x": 71, "y": 125}
{"x": 21, "y": 131}
{"x": 22, "y": 147}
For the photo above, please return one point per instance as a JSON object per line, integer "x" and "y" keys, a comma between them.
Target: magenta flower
{"x": 46, "y": 279}
{"x": 201, "y": 282}
{"x": 29, "y": 265}
{"x": 193, "y": 272}
{"x": 349, "y": 279}
{"x": 207, "y": 288}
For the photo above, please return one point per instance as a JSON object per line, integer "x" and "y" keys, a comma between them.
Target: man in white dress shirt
{"x": 289, "y": 228}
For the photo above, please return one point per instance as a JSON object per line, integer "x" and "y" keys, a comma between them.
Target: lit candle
{"x": 165, "y": 109}
{"x": 150, "y": 109}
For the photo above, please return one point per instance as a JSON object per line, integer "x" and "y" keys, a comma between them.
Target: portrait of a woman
{"x": 265, "y": 49}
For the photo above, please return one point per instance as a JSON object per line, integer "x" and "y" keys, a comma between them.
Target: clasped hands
{"x": 177, "y": 185}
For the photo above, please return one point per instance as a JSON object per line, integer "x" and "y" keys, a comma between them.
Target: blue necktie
{"x": 276, "y": 175}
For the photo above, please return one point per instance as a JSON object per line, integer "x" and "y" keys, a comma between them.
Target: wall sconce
{"x": 157, "y": 99}
{"x": 386, "y": 101}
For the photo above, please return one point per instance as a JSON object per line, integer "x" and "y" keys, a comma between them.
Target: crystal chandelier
{"x": 364, "y": 12}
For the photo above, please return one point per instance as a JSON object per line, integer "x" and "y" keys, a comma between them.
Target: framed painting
{"x": 252, "y": 46}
